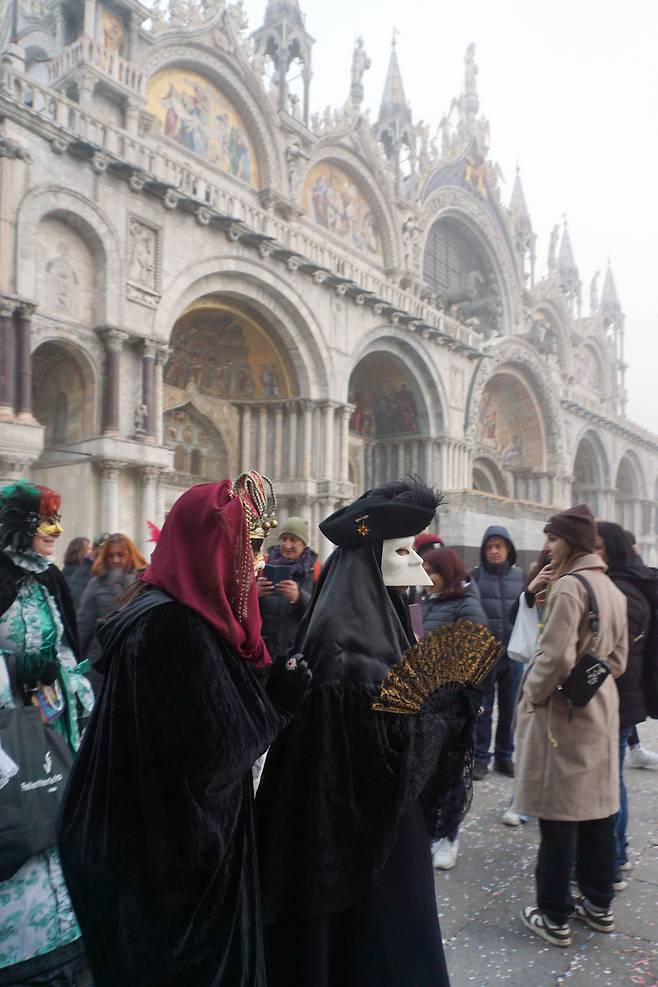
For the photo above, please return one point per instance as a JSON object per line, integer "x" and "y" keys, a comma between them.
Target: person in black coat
{"x": 639, "y": 584}
{"x": 350, "y": 795}
{"x": 500, "y": 582}
{"x": 282, "y": 605}
{"x": 156, "y": 830}
{"x": 77, "y": 567}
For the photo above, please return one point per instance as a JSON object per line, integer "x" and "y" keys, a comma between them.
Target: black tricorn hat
{"x": 398, "y": 509}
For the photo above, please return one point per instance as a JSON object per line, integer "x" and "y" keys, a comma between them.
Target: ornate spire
{"x": 517, "y": 201}
{"x": 283, "y": 39}
{"x": 610, "y": 304}
{"x": 394, "y": 102}
{"x": 567, "y": 269}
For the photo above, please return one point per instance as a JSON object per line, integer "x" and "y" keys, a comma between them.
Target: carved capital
{"x": 113, "y": 338}
{"x": 149, "y": 349}
{"x": 7, "y": 307}
{"x": 26, "y": 309}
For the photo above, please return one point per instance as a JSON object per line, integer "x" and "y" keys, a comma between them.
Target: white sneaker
{"x": 511, "y": 818}
{"x": 444, "y": 853}
{"x": 640, "y": 757}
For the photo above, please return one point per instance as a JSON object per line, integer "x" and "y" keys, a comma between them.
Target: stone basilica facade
{"x": 197, "y": 275}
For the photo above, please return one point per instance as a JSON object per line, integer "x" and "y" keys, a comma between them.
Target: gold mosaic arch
{"x": 509, "y": 423}
{"x": 195, "y": 114}
{"x": 226, "y": 353}
{"x": 332, "y": 199}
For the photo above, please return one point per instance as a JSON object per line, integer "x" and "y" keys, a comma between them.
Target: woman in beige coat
{"x": 567, "y": 769}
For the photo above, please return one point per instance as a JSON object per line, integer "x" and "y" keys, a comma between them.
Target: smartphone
{"x": 276, "y": 573}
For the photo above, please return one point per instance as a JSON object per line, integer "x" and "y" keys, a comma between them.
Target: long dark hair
{"x": 618, "y": 548}
{"x": 75, "y": 551}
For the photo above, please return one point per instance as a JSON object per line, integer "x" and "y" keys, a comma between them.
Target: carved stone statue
{"x": 552, "y": 248}
{"x": 476, "y": 298}
{"x": 238, "y": 17}
{"x": 470, "y": 70}
{"x": 295, "y": 106}
{"x": 360, "y": 61}
{"x": 141, "y": 416}
{"x": 594, "y": 293}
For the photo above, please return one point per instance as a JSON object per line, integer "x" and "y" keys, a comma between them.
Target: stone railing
{"x": 86, "y": 51}
{"x": 162, "y": 161}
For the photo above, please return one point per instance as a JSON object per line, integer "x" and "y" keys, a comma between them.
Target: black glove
{"x": 288, "y": 681}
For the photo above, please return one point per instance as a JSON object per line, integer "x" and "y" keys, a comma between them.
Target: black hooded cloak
{"x": 156, "y": 835}
{"x": 350, "y": 797}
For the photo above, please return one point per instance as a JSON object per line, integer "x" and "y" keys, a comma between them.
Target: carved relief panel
{"x": 144, "y": 250}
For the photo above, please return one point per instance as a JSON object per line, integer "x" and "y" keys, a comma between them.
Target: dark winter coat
{"x": 639, "y": 586}
{"x": 12, "y": 575}
{"x": 281, "y": 619}
{"x": 77, "y": 579}
{"x": 437, "y": 609}
{"x": 98, "y": 600}
{"x": 156, "y": 831}
{"x": 499, "y": 585}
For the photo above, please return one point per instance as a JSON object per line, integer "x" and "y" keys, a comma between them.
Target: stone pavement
{"x": 480, "y": 900}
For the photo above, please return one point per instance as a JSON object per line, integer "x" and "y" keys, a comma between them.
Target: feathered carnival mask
{"x": 27, "y": 509}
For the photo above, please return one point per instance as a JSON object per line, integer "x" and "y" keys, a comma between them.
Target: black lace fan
{"x": 431, "y": 673}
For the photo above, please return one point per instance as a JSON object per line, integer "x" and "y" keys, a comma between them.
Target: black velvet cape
{"x": 342, "y": 779}
{"x": 156, "y": 833}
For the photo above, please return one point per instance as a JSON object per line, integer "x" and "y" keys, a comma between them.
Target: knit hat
{"x": 425, "y": 541}
{"x": 576, "y": 525}
{"x": 297, "y": 526}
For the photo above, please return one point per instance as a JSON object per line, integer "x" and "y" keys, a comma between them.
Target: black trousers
{"x": 65, "y": 966}
{"x": 591, "y": 846}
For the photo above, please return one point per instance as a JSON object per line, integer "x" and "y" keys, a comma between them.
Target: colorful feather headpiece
{"x": 27, "y": 509}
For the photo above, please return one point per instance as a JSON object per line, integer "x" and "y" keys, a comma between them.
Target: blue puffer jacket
{"x": 499, "y": 585}
{"x": 437, "y": 609}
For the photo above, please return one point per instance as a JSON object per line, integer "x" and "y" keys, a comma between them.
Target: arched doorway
{"x": 509, "y": 439}
{"x": 390, "y": 422}
{"x": 231, "y": 397}
{"x": 62, "y": 395}
{"x": 487, "y": 478}
{"x": 589, "y": 474}
{"x": 628, "y": 495}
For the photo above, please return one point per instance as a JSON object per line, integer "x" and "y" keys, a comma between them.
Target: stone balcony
{"x": 108, "y": 64}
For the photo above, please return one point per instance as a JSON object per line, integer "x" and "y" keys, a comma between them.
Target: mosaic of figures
{"x": 194, "y": 113}
{"x": 385, "y": 403}
{"x": 226, "y": 356}
{"x": 332, "y": 200}
{"x": 509, "y": 425}
{"x": 198, "y": 448}
{"x": 113, "y": 32}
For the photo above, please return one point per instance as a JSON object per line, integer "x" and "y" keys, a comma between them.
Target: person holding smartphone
{"x": 286, "y": 584}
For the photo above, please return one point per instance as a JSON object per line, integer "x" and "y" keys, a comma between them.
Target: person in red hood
{"x": 157, "y": 832}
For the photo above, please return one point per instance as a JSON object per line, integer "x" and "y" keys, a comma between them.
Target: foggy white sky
{"x": 570, "y": 88}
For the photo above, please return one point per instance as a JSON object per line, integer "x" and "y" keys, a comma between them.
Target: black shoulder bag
{"x": 590, "y": 671}
{"x": 30, "y": 800}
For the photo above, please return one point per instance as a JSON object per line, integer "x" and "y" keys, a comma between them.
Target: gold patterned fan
{"x": 432, "y": 671}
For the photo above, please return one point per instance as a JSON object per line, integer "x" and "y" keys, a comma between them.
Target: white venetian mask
{"x": 401, "y": 566}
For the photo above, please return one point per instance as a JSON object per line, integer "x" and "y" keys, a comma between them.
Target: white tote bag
{"x": 523, "y": 639}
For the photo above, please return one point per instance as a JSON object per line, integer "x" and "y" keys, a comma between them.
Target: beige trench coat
{"x": 568, "y": 768}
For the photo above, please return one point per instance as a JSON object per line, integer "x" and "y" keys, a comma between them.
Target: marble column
{"x": 292, "y": 439}
{"x": 344, "y": 468}
{"x": 148, "y": 387}
{"x": 161, "y": 356}
{"x": 328, "y": 409}
{"x": 114, "y": 340}
{"x": 307, "y": 440}
{"x": 7, "y": 357}
{"x": 24, "y": 361}
{"x": 109, "y": 496}
{"x": 149, "y": 481}
{"x": 263, "y": 417}
{"x": 244, "y": 452}
{"x": 277, "y": 465}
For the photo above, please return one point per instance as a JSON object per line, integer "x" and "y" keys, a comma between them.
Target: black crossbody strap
{"x": 592, "y": 605}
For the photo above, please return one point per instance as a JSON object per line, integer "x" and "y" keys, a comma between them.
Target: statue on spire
{"x": 360, "y": 62}
{"x": 470, "y": 71}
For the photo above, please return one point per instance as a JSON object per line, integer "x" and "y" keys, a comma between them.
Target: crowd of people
{"x": 137, "y": 696}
